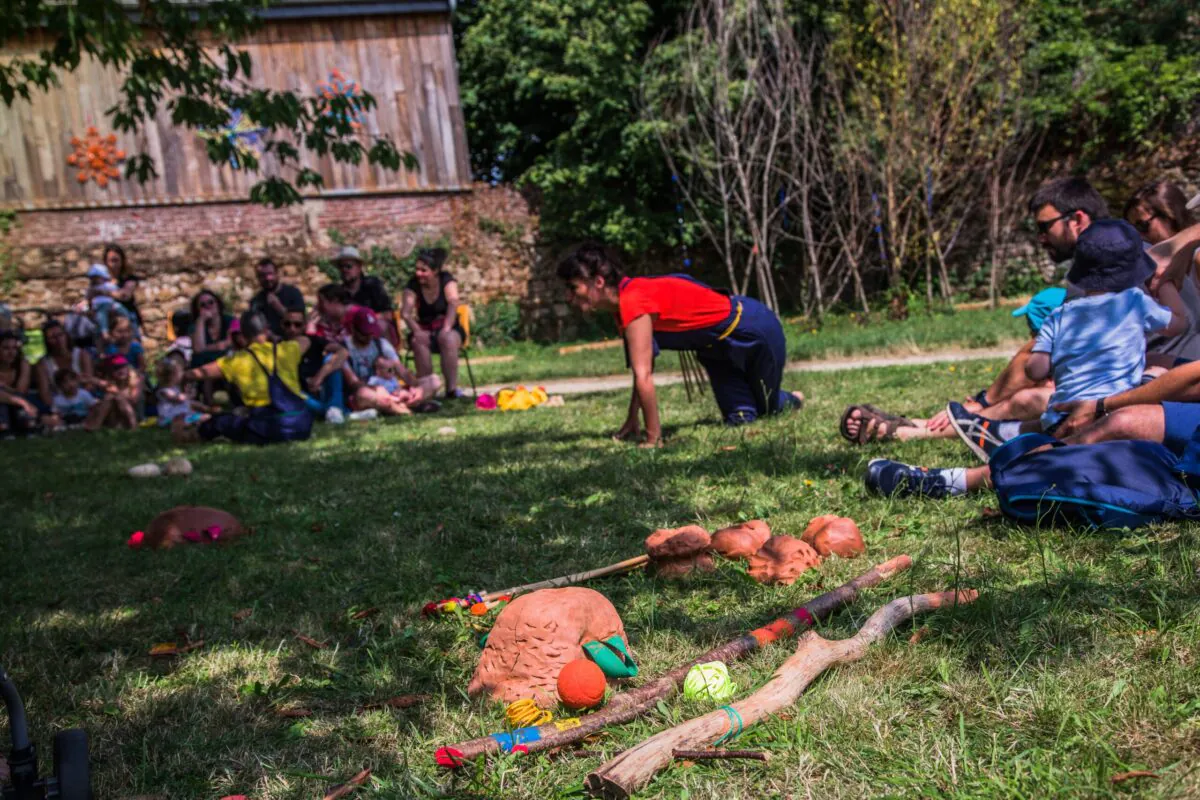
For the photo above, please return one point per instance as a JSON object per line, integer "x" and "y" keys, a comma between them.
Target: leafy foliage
{"x": 182, "y": 59}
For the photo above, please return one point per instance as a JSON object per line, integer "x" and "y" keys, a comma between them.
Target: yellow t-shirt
{"x": 241, "y": 370}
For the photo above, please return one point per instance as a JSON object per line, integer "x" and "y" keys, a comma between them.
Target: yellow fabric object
{"x": 520, "y": 399}
{"x": 463, "y": 312}
{"x": 240, "y": 369}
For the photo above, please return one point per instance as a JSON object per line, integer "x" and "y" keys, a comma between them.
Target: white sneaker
{"x": 334, "y": 416}
{"x": 364, "y": 415}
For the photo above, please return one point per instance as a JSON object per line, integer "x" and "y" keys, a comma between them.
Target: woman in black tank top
{"x": 430, "y": 310}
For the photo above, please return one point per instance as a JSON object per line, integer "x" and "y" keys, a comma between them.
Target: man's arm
{"x": 1037, "y": 366}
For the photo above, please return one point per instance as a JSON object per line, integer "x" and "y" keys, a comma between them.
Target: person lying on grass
{"x": 738, "y": 340}
{"x": 1061, "y": 210}
{"x": 1095, "y": 345}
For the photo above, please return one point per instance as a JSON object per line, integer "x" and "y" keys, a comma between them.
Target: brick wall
{"x": 180, "y": 249}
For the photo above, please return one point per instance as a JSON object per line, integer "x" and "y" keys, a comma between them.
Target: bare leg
{"x": 1135, "y": 422}
{"x": 127, "y": 414}
{"x": 1026, "y": 404}
{"x": 448, "y": 344}
{"x": 979, "y": 478}
{"x": 423, "y": 357}
{"x": 99, "y": 413}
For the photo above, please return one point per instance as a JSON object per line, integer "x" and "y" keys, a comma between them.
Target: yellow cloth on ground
{"x": 240, "y": 369}
{"x": 520, "y": 399}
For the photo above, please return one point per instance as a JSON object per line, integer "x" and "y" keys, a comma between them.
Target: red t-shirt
{"x": 676, "y": 303}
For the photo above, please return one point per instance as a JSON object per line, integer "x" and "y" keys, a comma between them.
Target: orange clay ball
{"x": 581, "y": 684}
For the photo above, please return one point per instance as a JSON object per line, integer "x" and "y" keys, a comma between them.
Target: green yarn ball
{"x": 709, "y": 681}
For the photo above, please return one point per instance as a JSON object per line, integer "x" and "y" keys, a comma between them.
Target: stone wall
{"x": 180, "y": 249}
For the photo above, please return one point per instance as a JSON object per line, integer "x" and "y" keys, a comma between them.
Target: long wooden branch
{"x": 629, "y": 705}
{"x": 635, "y": 767}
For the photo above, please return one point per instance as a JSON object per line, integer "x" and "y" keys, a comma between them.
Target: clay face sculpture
{"x": 781, "y": 560}
{"x": 187, "y": 524}
{"x": 833, "y": 535}
{"x": 535, "y": 636}
{"x": 741, "y": 541}
{"x": 676, "y": 542}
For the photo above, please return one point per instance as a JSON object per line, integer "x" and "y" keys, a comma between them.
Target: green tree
{"x": 182, "y": 57}
{"x": 549, "y": 90}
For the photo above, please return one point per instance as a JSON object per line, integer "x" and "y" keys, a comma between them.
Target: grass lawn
{"x": 838, "y": 336}
{"x": 1078, "y": 661}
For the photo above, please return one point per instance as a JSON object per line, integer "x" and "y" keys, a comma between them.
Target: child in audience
{"x": 105, "y": 310}
{"x": 119, "y": 408}
{"x": 72, "y": 404}
{"x": 176, "y": 408}
{"x": 1095, "y": 346}
{"x": 387, "y": 377}
{"x": 122, "y": 343}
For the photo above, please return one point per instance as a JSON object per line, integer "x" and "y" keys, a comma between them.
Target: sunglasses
{"x": 290, "y": 324}
{"x": 207, "y": 303}
{"x": 1045, "y": 225}
{"x": 1143, "y": 225}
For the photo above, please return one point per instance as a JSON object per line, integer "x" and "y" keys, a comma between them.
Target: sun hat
{"x": 1109, "y": 257}
{"x": 347, "y": 254}
{"x": 1040, "y": 306}
{"x": 364, "y": 321}
{"x": 99, "y": 271}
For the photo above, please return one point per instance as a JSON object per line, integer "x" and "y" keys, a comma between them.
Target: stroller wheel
{"x": 71, "y": 766}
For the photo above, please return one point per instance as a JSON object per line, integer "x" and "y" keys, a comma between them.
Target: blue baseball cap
{"x": 1040, "y": 306}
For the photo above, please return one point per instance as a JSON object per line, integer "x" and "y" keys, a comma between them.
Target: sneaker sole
{"x": 979, "y": 452}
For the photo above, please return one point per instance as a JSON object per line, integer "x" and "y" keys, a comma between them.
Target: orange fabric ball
{"x": 581, "y": 684}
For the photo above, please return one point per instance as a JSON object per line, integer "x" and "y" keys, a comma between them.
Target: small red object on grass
{"x": 581, "y": 684}
{"x": 136, "y": 539}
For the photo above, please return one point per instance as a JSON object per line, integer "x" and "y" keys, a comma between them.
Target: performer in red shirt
{"x": 737, "y": 340}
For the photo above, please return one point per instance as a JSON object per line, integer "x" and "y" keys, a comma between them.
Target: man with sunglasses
{"x": 1061, "y": 210}
{"x": 320, "y": 370}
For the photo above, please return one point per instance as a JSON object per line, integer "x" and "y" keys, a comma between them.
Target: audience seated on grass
{"x": 266, "y": 374}
{"x": 60, "y": 354}
{"x": 176, "y": 406}
{"x": 120, "y": 404}
{"x": 1061, "y": 210}
{"x": 18, "y": 414}
{"x": 1095, "y": 345}
{"x": 366, "y": 345}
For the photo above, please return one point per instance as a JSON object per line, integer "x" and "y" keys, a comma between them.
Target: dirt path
{"x": 608, "y": 383}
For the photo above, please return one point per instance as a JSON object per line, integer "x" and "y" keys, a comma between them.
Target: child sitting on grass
{"x": 1095, "y": 346}
{"x": 72, "y": 404}
{"x": 387, "y": 377}
{"x": 176, "y": 408}
{"x": 120, "y": 406}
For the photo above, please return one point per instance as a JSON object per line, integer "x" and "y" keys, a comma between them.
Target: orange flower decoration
{"x": 96, "y": 157}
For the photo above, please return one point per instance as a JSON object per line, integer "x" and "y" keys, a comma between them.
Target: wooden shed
{"x": 400, "y": 52}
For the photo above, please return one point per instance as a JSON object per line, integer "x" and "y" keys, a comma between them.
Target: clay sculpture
{"x": 741, "y": 541}
{"x": 676, "y": 552}
{"x": 830, "y": 534}
{"x": 535, "y": 636}
{"x": 190, "y": 524}
{"x": 781, "y": 560}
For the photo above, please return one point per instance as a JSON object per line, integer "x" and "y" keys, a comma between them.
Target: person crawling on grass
{"x": 738, "y": 340}
{"x": 1094, "y": 346}
{"x": 1062, "y": 210}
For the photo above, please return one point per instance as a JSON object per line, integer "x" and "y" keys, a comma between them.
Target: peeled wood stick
{"x": 635, "y": 767}
{"x": 627, "y": 565}
{"x": 626, "y": 706}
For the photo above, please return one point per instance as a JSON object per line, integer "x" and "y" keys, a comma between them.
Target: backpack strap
{"x": 1015, "y": 448}
{"x": 274, "y": 355}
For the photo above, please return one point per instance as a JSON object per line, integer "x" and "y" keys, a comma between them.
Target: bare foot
{"x": 799, "y": 395}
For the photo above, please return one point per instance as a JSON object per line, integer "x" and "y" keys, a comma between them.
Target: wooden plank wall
{"x": 405, "y": 61}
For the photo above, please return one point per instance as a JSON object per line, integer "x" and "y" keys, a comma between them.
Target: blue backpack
{"x": 1124, "y": 484}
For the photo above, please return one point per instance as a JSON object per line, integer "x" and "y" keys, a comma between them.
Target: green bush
{"x": 496, "y": 324}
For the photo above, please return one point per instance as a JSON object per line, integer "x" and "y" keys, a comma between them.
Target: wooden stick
{"x": 635, "y": 767}
{"x": 715, "y": 755}
{"x": 627, "y": 565}
{"x": 607, "y": 344}
{"x": 627, "y": 706}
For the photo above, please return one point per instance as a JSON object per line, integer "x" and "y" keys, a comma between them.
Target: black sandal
{"x": 888, "y": 423}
